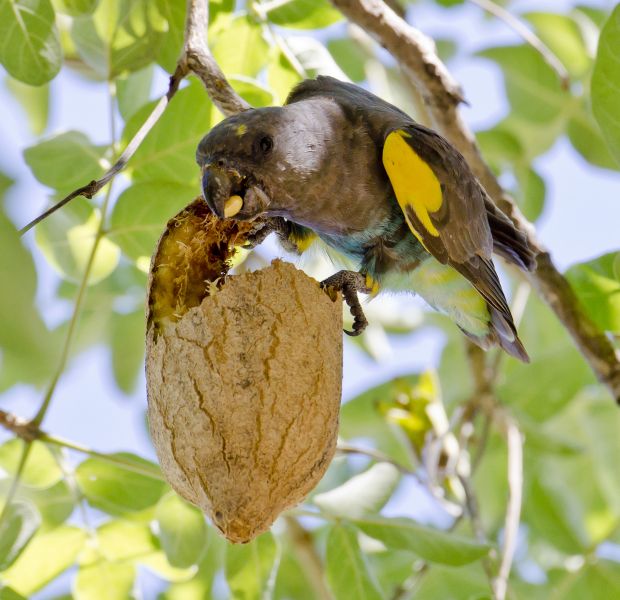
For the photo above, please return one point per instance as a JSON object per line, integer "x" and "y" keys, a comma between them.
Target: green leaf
{"x": 431, "y": 544}
{"x": 301, "y": 14}
{"x": 26, "y": 342}
{"x": 41, "y": 471}
{"x": 605, "y": 88}
{"x": 600, "y": 579}
{"x": 172, "y": 44}
{"x": 240, "y": 49}
{"x": 20, "y": 521}
{"x": 535, "y": 138}
{"x": 5, "y": 183}
{"x": 121, "y": 36}
{"x": 127, "y": 333}
{"x": 444, "y": 583}
{"x": 249, "y": 567}
{"x": 157, "y": 562}
{"x": 599, "y": 419}
{"x": 118, "y": 491}
{"x": 564, "y": 38}
{"x": 586, "y": 137}
{"x": 533, "y": 88}
{"x": 76, "y": 8}
{"x": 66, "y": 239}
{"x": 535, "y": 388}
{"x": 141, "y": 213}
{"x": 391, "y": 568}
{"x": 347, "y": 571}
{"x": 281, "y": 75}
{"x": 446, "y": 48}
{"x": 168, "y": 151}
{"x": 531, "y": 192}
{"x": 133, "y": 91}
{"x": 104, "y": 581}
{"x": 199, "y": 586}
{"x": 30, "y": 46}
{"x": 553, "y": 513}
{"x": 55, "y": 504}
{"x": 182, "y": 531}
{"x": 123, "y": 540}
{"x": 66, "y": 161}
{"x": 350, "y": 56}
{"x": 35, "y": 102}
{"x": 293, "y": 581}
{"x": 220, "y": 12}
{"x": 558, "y": 508}
{"x": 124, "y": 288}
{"x": 361, "y": 418}
{"x": 598, "y": 16}
{"x": 597, "y": 285}
{"x": 252, "y": 91}
{"x": 51, "y": 552}
{"x": 7, "y": 593}
{"x": 363, "y": 494}
{"x": 499, "y": 146}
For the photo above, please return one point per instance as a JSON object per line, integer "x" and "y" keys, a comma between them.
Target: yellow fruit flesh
{"x": 233, "y": 205}
{"x": 193, "y": 253}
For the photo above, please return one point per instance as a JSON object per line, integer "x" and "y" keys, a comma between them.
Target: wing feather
{"x": 446, "y": 210}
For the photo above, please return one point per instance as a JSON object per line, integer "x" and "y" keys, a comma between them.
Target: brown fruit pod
{"x": 243, "y": 376}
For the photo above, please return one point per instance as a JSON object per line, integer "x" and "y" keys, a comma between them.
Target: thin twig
{"x": 119, "y": 461}
{"x": 379, "y": 457}
{"x": 416, "y": 54}
{"x": 261, "y": 10}
{"x": 75, "y": 315}
{"x": 471, "y": 504}
{"x": 513, "y": 510}
{"x": 528, "y": 36}
{"x": 29, "y": 431}
{"x": 23, "y": 459}
{"x": 92, "y": 188}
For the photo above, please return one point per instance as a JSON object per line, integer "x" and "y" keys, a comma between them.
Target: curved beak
{"x": 218, "y": 184}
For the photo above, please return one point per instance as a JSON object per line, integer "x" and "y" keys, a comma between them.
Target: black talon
{"x": 278, "y": 225}
{"x": 349, "y": 283}
{"x": 262, "y": 229}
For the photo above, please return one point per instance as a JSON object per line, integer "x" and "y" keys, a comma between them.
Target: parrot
{"x": 396, "y": 199}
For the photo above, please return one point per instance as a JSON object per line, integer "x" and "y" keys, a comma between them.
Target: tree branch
{"x": 198, "y": 58}
{"x": 416, "y": 54}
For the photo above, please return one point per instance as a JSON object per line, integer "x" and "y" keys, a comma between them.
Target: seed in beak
{"x": 233, "y": 205}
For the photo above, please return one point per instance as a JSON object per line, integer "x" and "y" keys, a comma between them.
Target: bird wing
{"x": 444, "y": 206}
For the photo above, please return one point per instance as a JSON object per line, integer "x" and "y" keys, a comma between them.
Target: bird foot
{"x": 349, "y": 283}
{"x": 266, "y": 226}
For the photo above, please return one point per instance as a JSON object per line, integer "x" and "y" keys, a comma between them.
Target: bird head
{"x": 239, "y": 159}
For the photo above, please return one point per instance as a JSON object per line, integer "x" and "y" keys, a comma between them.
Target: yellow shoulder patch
{"x": 414, "y": 182}
{"x": 241, "y": 129}
{"x": 303, "y": 242}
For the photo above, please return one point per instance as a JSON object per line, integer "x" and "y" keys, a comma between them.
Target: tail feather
{"x": 502, "y": 334}
{"x": 508, "y": 241}
{"x": 506, "y": 335}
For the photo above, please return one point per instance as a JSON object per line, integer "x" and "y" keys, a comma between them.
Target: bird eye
{"x": 265, "y": 144}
